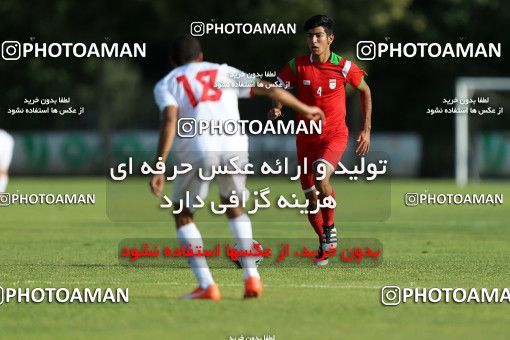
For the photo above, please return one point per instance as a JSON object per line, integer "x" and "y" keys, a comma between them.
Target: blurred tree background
{"x": 117, "y": 93}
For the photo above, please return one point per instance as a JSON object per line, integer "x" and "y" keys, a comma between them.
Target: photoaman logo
{"x": 15, "y": 50}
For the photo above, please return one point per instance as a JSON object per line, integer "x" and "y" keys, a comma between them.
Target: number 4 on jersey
{"x": 209, "y": 93}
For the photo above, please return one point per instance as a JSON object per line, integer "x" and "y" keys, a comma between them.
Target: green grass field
{"x": 424, "y": 246}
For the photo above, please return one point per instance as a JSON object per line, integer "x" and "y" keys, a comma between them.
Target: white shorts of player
{"x": 192, "y": 183}
{"x": 6, "y": 149}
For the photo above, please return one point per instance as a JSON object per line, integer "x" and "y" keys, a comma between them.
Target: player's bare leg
{"x": 189, "y": 234}
{"x": 323, "y": 172}
{"x": 240, "y": 226}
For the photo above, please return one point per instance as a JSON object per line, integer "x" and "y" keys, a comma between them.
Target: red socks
{"x": 317, "y": 223}
{"x": 326, "y": 217}
{"x": 328, "y": 214}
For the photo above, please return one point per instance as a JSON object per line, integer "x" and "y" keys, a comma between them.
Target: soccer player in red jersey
{"x": 321, "y": 78}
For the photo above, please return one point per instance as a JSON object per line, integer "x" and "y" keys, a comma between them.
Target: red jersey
{"x": 323, "y": 85}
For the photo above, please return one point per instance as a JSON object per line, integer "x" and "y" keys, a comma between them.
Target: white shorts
{"x": 194, "y": 185}
{"x": 6, "y": 149}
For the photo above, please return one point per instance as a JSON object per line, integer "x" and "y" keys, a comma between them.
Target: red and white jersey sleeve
{"x": 353, "y": 74}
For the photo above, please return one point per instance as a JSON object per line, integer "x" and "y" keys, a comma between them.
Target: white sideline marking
{"x": 169, "y": 283}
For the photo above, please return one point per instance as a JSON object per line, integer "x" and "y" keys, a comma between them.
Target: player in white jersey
{"x": 6, "y": 148}
{"x": 190, "y": 91}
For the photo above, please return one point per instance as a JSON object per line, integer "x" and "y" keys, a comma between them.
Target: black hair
{"x": 185, "y": 49}
{"x": 320, "y": 20}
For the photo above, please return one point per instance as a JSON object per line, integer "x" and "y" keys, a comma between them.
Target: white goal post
{"x": 465, "y": 87}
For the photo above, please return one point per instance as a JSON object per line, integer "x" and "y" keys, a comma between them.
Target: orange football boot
{"x": 252, "y": 287}
{"x": 211, "y": 293}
